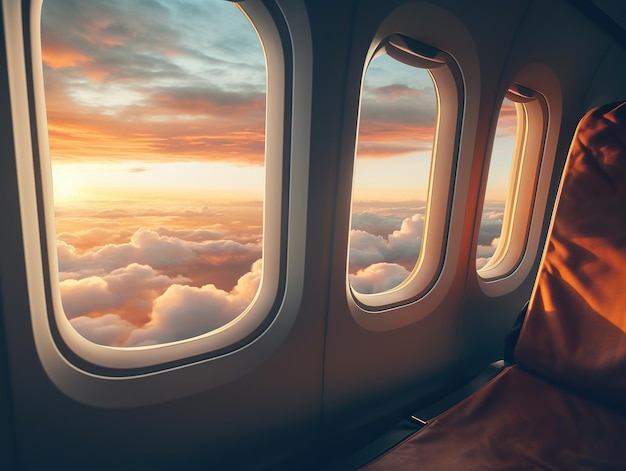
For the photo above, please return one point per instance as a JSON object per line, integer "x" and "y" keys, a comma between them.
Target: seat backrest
{"x": 575, "y": 330}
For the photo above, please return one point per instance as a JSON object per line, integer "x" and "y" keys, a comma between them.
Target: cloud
{"x": 401, "y": 246}
{"x": 365, "y": 249}
{"x": 407, "y": 241}
{"x": 184, "y": 312}
{"x": 109, "y": 329}
{"x": 390, "y": 209}
{"x": 155, "y": 132}
{"x": 381, "y": 256}
{"x": 125, "y": 280}
{"x": 376, "y": 224}
{"x": 396, "y": 119}
{"x": 384, "y": 138}
{"x": 58, "y": 55}
{"x": 491, "y": 222}
{"x": 145, "y": 79}
{"x": 86, "y": 239}
{"x": 493, "y": 216}
{"x": 485, "y": 252}
{"x": 175, "y": 311}
{"x": 396, "y": 90}
{"x": 128, "y": 291}
{"x": 167, "y": 254}
{"x": 507, "y": 120}
{"x": 399, "y": 104}
{"x": 378, "y": 277}
{"x": 207, "y": 100}
{"x": 198, "y": 235}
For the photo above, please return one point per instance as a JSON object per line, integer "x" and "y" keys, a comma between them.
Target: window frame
{"x": 513, "y": 271}
{"x": 532, "y": 126}
{"x": 428, "y": 24}
{"x": 449, "y": 89}
{"x": 222, "y": 339}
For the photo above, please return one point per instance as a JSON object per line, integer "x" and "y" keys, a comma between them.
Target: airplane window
{"x": 512, "y": 181}
{"x": 498, "y": 183}
{"x": 156, "y": 119}
{"x": 392, "y": 173}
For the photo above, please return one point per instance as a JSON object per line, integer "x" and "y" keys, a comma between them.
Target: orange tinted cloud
{"x": 206, "y": 246}
{"x": 396, "y": 119}
{"x": 125, "y": 278}
{"x": 395, "y": 91}
{"x": 507, "y": 120}
{"x": 400, "y": 246}
{"x": 58, "y": 53}
{"x": 382, "y": 140}
{"x": 179, "y": 312}
{"x": 378, "y": 277}
{"x": 101, "y": 138}
{"x": 128, "y": 81}
{"x": 58, "y": 58}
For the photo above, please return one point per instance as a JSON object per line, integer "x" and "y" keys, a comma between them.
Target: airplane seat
{"x": 562, "y": 405}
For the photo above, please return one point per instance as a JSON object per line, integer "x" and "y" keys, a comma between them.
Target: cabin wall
{"x": 539, "y": 40}
{"x": 8, "y": 452}
{"x": 608, "y": 82}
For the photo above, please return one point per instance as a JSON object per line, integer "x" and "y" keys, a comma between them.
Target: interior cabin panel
{"x": 333, "y": 376}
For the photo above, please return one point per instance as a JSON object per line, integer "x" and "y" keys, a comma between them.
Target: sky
{"x": 156, "y": 119}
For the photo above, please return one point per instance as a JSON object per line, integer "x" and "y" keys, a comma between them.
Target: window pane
{"x": 392, "y": 171}
{"x": 156, "y": 118}
{"x": 498, "y": 183}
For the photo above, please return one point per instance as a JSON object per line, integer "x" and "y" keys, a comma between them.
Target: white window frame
{"x": 517, "y": 257}
{"x": 427, "y": 293}
{"x": 449, "y": 91}
{"x": 532, "y": 123}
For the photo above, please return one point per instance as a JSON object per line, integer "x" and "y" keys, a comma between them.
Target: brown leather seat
{"x": 562, "y": 406}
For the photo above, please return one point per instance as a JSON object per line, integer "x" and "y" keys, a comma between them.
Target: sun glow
{"x": 66, "y": 185}
{"x": 75, "y": 182}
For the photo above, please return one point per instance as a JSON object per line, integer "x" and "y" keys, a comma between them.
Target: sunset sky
{"x": 156, "y": 118}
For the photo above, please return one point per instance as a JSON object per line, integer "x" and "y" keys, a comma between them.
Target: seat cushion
{"x": 516, "y": 422}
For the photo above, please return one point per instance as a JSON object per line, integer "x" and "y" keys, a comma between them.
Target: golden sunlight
{"x": 66, "y": 185}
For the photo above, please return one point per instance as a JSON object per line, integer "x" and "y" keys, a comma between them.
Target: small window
{"x": 156, "y": 118}
{"x": 511, "y": 182}
{"x": 498, "y": 183}
{"x": 398, "y": 172}
{"x": 392, "y": 170}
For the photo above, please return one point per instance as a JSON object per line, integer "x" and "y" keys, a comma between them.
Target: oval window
{"x": 403, "y": 171}
{"x": 156, "y": 118}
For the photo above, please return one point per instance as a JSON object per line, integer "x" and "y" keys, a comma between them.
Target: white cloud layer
{"x": 132, "y": 294}
{"x": 401, "y": 246}
{"x": 378, "y": 277}
{"x": 134, "y": 285}
{"x": 485, "y": 252}
{"x": 109, "y": 329}
{"x": 149, "y": 247}
{"x": 181, "y": 312}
